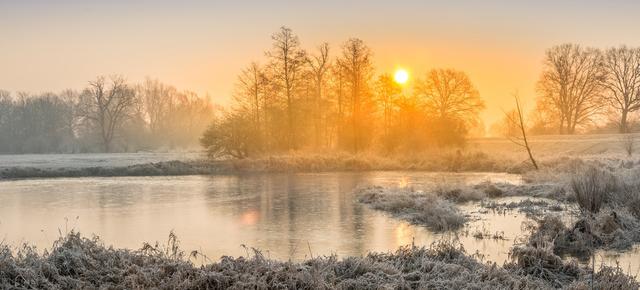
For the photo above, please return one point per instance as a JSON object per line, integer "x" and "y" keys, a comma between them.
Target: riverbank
{"x": 331, "y": 162}
{"x": 336, "y": 162}
{"x": 573, "y": 211}
{"x": 77, "y": 262}
{"x": 479, "y": 155}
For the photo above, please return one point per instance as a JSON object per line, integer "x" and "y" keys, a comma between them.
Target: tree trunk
{"x": 291, "y": 138}
{"x": 623, "y": 123}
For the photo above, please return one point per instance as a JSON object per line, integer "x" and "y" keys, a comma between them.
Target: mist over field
{"x": 416, "y": 145}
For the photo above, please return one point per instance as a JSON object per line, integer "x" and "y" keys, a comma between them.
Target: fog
{"x": 109, "y": 115}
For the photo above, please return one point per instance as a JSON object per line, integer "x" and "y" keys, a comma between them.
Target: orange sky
{"x": 202, "y": 45}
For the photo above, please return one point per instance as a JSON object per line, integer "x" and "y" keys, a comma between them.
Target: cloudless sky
{"x": 203, "y": 45}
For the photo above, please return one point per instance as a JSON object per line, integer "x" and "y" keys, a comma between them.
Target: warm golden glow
{"x": 401, "y": 76}
{"x": 250, "y": 217}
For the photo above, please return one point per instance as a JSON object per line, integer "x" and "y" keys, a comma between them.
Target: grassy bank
{"x": 438, "y": 162}
{"x": 75, "y": 262}
{"x": 300, "y": 162}
{"x": 479, "y": 155}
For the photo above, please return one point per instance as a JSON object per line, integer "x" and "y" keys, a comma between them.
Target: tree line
{"x": 585, "y": 89}
{"x": 323, "y": 99}
{"x": 326, "y": 100}
{"x": 108, "y": 115}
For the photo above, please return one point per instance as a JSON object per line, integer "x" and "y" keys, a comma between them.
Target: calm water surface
{"x": 287, "y": 216}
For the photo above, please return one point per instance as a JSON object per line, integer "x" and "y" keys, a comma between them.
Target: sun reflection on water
{"x": 250, "y": 217}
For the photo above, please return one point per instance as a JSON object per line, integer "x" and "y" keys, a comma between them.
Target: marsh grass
{"x": 76, "y": 262}
{"x": 591, "y": 187}
{"x": 421, "y": 208}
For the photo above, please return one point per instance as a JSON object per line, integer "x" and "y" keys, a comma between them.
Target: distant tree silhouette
{"x": 251, "y": 97}
{"x": 622, "y": 82}
{"x": 570, "y": 87}
{"x": 107, "y": 104}
{"x": 448, "y": 93}
{"x": 355, "y": 61}
{"x": 287, "y": 64}
{"x": 387, "y": 92}
{"x": 319, "y": 65}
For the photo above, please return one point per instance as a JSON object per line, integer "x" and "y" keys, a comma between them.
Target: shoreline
{"x": 448, "y": 162}
{"x": 78, "y": 262}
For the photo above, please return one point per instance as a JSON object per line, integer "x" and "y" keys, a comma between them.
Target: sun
{"x": 401, "y": 76}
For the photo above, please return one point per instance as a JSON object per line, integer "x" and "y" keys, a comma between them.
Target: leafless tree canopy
{"x": 449, "y": 94}
{"x": 287, "y": 63}
{"x": 387, "y": 93}
{"x": 319, "y": 65}
{"x": 314, "y": 101}
{"x": 356, "y": 64}
{"x": 317, "y": 100}
{"x": 622, "y": 82}
{"x": 107, "y": 105}
{"x": 108, "y": 115}
{"x": 570, "y": 86}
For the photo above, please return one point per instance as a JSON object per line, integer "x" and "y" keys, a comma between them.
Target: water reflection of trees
{"x": 288, "y": 213}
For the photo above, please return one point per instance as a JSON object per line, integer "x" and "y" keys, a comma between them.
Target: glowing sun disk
{"x": 401, "y": 76}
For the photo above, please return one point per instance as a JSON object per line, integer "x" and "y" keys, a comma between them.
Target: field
{"x": 555, "y": 146}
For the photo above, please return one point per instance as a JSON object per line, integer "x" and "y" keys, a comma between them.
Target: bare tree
{"x": 387, "y": 90}
{"x": 157, "y": 100}
{"x": 517, "y": 120}
{"x": 336, "y": 96}
{"x": 449, "y": 94}
{"x": 319, "y": 65}
{"x": 287, "y": 64}
{"x": 622, "y": 82}
{"x": 107, "y": 104}
{"x": 571, "y": 85}
{"x": 356, "y": 64}
{"x": 250, "y": 94}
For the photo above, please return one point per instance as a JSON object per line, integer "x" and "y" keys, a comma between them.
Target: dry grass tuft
{"x": 591, "y": 188}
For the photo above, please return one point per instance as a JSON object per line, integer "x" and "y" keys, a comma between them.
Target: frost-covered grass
{"x": 553, "y": 146}
{"x": 436, "y": 208}
{"x": 531, "y": 208}
{"x": 295, "y": 162}
{"x": 421, "y": 208}
{"x": 75, "y": 262}
{"x": 613, "y": 229}
{"x": 466, "y": 160}
{"x": 167, "y": 168}
{"x": 555, "y": 154}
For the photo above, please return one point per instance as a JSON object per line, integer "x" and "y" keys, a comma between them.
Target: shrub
{"x": 591, "y": 188}
{"x": 544, "y": 264}
{"x": 493, "y": 191}
{"x": 607, "y": 278}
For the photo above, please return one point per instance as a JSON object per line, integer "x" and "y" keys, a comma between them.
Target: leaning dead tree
{"x": 519, "y": 122}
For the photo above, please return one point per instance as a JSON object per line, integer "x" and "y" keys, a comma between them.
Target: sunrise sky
{"x": 203, "y": 45}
